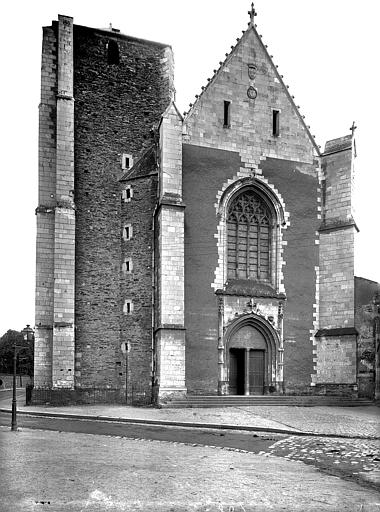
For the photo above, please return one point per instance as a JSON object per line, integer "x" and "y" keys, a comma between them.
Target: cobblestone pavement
{"x": 355, "y": 459}
{"x": 66, "y": 472}
{"x": 347, "y": 421}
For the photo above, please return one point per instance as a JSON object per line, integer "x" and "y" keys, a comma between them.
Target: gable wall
{"x": 216, "y": 156}
{"x": 250, "y": 131}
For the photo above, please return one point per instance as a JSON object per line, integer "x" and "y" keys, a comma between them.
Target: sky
{"x": 327, "y": 51}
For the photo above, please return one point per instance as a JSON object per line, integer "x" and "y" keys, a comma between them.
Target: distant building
{"x": 207, "y": 254}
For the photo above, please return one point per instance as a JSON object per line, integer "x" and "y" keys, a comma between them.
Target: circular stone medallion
{"x": 251, "y": 93}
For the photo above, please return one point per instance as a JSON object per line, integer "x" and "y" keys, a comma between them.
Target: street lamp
{"x": 28, "y": 335}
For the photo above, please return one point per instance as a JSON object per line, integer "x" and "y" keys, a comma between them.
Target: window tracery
{"x": 249, "y": 233}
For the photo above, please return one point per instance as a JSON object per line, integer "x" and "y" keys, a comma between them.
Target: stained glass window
{"x": 249, "y": 222}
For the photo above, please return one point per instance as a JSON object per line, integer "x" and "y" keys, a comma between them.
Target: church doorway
{"x": 246, "y": 371}
{"x": 237, "y": 367}
{"x": 248, "y": 359}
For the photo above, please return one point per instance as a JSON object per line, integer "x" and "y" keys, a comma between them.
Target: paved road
{"x": 352, "y": 459}
{"x": 247, "y": 441}
{"x": 68, "y": 472}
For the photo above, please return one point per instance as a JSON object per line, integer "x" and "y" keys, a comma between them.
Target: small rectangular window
{"x": 127, "y": 232}
{"x": 126, "y": 161}
{"x": 128, "y": 307}
{"x": 127, "y": 194}
{"x": 127, "y": 266}
{"x": 275, "y": 123}
{"x": 227, "y": 113}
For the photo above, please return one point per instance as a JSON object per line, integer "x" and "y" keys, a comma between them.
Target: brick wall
{"x": 204, "y": 172}
{"x": 299, "y": 189}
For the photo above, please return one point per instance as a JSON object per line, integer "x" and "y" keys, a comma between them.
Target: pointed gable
{"x": 263, "y": 119}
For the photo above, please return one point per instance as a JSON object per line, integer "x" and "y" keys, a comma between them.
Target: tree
{"x": 25, "y": 353}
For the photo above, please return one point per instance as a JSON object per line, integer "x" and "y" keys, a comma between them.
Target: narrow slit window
{"x": 227, "y": 114}
{"x": 275, "y": 123}
{"x": 127, "y": 194}
{"x": 126, "y": 161}
{"x": 127, "y": 233}
{"x": 113, "y": 52}
{"x": 127, "y": 266}
{"x": 128, "y": 307}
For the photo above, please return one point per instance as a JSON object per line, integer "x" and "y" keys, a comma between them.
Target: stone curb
{"x": 186, "y": 424}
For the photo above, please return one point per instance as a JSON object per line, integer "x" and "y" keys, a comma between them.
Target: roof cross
{"x": 252, "y": 13}
{"x": 353, "y": 128}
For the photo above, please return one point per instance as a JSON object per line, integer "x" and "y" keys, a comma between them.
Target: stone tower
{"x": 93, "y": 315}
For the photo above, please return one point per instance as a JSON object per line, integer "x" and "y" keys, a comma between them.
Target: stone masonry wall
{"x": 285, "y": 162}
{"x": 335, "y": 358}
{"x": 169, "y": 336}
{"x": 336, "y": 270}
{"x": 338, "y": 187}
{"x": 365, "y": 315}
{"x": 116, "y": 107}
{"x": 337, "y": 278}
{"x": 45, "y": 212}
{"x": 136, "y": 284}
{"x": 250, "y": 128}
{"x": 171, "y": 154}
{"x": 64, "y": 228}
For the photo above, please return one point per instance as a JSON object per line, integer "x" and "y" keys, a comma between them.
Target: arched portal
{"x": 251, "y": 346}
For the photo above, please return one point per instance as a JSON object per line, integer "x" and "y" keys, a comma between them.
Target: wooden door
{"x": 236, "y": 374}
{"x": 256, "y": 372}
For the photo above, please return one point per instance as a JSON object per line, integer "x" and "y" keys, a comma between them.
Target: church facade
{"x": 206, "y": 254}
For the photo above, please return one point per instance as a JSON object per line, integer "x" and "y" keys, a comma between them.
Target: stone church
{"x": 198, "y": 255}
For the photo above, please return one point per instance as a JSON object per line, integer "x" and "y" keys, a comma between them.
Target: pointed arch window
{"x": 249, "y": 234}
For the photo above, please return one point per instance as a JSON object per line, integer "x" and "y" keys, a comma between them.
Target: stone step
{"x": 235, "y": 401}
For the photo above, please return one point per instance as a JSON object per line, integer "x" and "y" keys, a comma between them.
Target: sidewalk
{"x": 356, "y": 422}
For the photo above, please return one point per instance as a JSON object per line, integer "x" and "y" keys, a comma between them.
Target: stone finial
{"x": 252, "y": 13}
